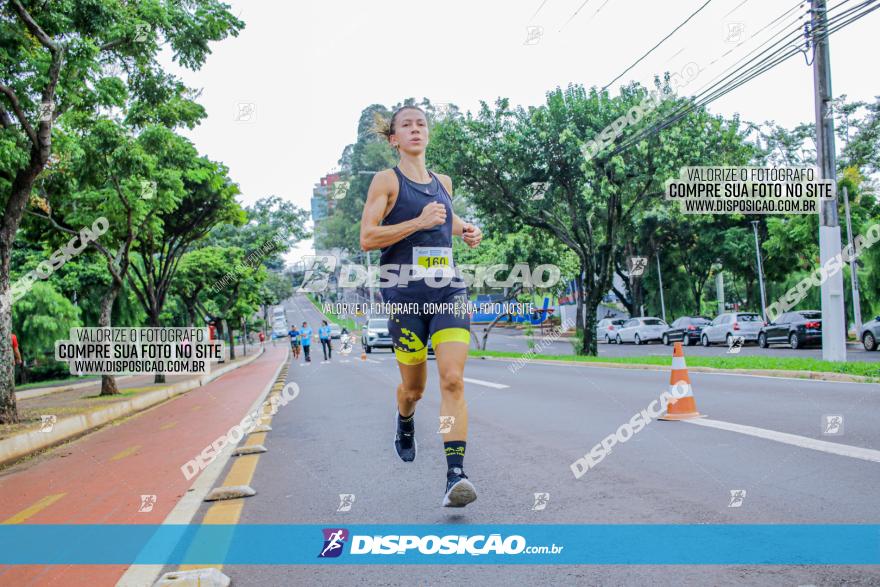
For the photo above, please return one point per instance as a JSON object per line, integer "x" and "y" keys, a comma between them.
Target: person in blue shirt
{"x": 324, "y": 335}
{"x": 293, "y": 333}
{"x": 306, "y": 335}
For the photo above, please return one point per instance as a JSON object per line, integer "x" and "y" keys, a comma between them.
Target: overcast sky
{"x": 310, "y": 68}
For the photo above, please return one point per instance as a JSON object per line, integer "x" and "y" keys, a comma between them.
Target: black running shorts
{"x": 411, "y": 324}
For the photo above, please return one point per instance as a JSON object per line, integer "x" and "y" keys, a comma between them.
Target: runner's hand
{"x": 432, "y": 215}
{"x": 471, "y": 235}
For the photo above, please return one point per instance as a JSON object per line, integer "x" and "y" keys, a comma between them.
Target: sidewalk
{"x": 93, "y": 382}
{"x": 101, "y": 478}
{"x": 80, "y": 408}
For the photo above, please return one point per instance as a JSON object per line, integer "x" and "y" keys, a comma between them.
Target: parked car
{"x": 870, "y": 334}
{"x": 725, "y": 326}
{"x": 639, "y": 330}
{"x": 796, "y": 329}
{"x": 375, "y": 334}
{"x": 687, "y": 329}
{"x": 606, "y": 329}
{"x": 335, "y": 330}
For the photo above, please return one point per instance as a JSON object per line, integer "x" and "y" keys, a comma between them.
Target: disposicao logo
{"x": 334, "y": 540}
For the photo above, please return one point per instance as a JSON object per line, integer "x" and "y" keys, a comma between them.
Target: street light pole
{"x": 833, "y": 322}
{"x": 853, "y": 277}
{"x": 660, "y": 279}
{"x": 760, "y": 271}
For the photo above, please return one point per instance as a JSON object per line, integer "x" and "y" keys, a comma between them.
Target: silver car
{"x": 870, "y": 334}
{"x": 639, "y": 330}
{"x": 729, "y": 325}
{"x": 606, "y": 329}
{"x": 375, "y": 335}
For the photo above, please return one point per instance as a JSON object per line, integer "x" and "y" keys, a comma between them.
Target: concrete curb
{"x": 188, "y": 506}
{"x": 25, "y": 443}
{"x": 815, "y": 375}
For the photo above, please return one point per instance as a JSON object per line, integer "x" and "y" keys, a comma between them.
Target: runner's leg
{"x": 408, "y": 335}
{"x": 450, "y": 337}
{"x": 451, "y": 357}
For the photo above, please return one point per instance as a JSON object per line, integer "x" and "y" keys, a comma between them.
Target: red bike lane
{"x": 100, "y": 478}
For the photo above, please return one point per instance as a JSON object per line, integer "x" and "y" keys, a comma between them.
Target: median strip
{"x": 857, "y": 372}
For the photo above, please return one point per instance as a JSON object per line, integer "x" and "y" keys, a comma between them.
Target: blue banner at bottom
{"x": 275, "y": 544}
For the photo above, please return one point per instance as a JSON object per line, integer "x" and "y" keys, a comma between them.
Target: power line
{"x": 839, "y": 21}
{"x": 597, "y": 11}
{"x": 573, "y": 15}
{"x": 735, "y": 8}
{"x": 762, "y": 29}
{"x": 639, "y": 60}
{"x": 539, "y": 9}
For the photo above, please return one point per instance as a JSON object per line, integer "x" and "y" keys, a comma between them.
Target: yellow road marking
{"x": 34, "y": 509}
{"x": 168, "y": 425}
{"x": 242, "y": 470}
{"x": 241, "y": 473}
{"x": 125, "y": 453}
{"x": 255, "y": 438}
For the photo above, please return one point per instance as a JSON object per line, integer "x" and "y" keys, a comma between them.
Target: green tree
{"x": 56, "y": 58}
{"x": 207, "y": 198}
{"x": 497, "y": 155}
{"x": 39, "y": 319}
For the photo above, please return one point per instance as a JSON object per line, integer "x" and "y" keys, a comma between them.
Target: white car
{"x": 606, "y": 329}
{"x": 639, "y": 330}
{"x": 728, "y": 325}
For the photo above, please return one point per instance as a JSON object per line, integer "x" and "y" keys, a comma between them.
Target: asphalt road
{"x": 336, "y": 438}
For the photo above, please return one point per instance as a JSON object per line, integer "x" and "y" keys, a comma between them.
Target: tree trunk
{"x": 20, "y": 190}
{"x": 8, "y": 408}
{"x": 590, "y": 346}
{"x": 231, "y": 345}
{"x": 108, "y": 382}
{"x": 154, "y": 323}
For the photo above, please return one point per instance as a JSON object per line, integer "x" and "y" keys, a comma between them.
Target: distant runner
{"x": 293, "y": 333}
{"x": 324, "y": 335}
{"x": 306, "y": 335}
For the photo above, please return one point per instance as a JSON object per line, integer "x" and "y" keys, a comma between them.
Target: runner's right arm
{"x": 374, "y": 236}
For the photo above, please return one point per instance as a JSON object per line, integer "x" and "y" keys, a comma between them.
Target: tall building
{"x": 322, "y": 197}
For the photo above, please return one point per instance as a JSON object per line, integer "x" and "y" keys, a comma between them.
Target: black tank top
{"x": 430, "y": 246}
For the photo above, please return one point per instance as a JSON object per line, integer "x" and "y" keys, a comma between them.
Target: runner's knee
{"x": 412, "y": 393}
{"x": 451, "y": 382}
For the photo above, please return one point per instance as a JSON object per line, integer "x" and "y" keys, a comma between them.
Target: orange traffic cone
{"x": 685, "y": 407}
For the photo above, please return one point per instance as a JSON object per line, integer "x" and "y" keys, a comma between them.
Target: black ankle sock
{"x": 407, "y": 424}
{"x": 454, "y": 453}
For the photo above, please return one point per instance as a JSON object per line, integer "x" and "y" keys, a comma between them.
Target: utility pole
{"x": 719, "y": 290}
{"x": 760, "y": 272}
{"x": 853, "y": 277}
{"x": 660, "y": 279}
{"x": 833, "y": 322}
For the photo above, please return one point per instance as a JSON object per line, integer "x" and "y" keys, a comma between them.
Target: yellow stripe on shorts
{"x": 451, "y": 335}
{"x": 411, "y": 358}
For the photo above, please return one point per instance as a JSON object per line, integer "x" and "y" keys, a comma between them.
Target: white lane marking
{"x": 373, "y": 361}
{"x": 845, "y": 450}
{"x": 486, "y": 383}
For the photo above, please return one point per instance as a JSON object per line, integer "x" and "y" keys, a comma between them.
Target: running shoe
{"x": 405, "y": 443}
{"x": 459, "y": 491}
